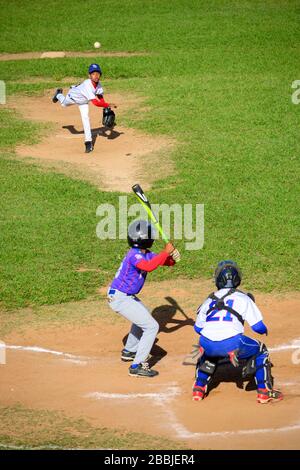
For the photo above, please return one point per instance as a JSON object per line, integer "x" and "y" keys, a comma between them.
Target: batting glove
{"x": 176, "y": 255}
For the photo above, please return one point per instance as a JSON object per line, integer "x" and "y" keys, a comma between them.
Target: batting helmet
{"x": 95, "y": 68}
{"x": 227, "y": 274}
{"x": 141, "y": 234}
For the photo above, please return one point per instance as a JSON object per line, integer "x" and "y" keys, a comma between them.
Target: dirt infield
{"x": 76, "y": 368}
{"x": 121, "y": 156}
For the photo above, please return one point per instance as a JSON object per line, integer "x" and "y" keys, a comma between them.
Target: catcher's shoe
{"x": 199, "y": 393}
{"x": 127, "y": 356}
{"x": 88, "y": 147}
{"x": 142, "y": 370}
{"x": 58, "y": 91}
{"x": 266, "y": 396}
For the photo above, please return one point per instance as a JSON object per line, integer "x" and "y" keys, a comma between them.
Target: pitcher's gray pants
{"x": 144, "y": 328}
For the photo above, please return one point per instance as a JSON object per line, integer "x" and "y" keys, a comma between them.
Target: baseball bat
{"x": 147, "y": 206}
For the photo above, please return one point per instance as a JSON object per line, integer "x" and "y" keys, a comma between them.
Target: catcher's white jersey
{"x": 221, "y": 324}
{"x": 85, "y": 92}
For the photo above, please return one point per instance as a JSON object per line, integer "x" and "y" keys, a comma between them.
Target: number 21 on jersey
{"x": 213, "y": 315}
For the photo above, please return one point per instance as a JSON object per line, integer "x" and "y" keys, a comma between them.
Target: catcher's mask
{"x": 109, "y": 117}
{"x": 227, "y": 274}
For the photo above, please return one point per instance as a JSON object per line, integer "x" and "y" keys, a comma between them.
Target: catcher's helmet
{"x": 141, "y": 234}
{"x": 95, "y": 68}
{"x": 227, "y": 274}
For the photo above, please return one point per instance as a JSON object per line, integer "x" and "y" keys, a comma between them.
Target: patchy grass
{"x": 42, "y": 429}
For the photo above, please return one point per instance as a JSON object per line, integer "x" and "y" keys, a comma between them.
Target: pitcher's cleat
{"x": 88, "y": 147}
{"x": 58, "y": 92}
{"x": 199, "y": 393}
{"x": 142, "y": 370}
{"x": 268, "y": 396}
{"x": 127, "y": 356}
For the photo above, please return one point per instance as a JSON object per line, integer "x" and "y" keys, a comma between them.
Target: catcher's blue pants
{"x": 247, "y": 347}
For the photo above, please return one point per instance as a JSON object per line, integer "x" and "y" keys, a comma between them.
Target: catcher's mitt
{"x": 109, "y": 117}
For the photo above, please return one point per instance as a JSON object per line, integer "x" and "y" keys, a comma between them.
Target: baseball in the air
{"x": 97, "y": 45}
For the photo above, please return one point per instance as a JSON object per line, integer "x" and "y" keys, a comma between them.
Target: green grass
{"x": 26, "y": 428}
{"x": 48, "y": 231}
{"x": 142, "y": 25}
{"x": 219, "y": 81}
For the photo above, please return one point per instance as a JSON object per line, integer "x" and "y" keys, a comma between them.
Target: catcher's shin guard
{"x": 204, "y": 371}
{"x": 263, "y": 375}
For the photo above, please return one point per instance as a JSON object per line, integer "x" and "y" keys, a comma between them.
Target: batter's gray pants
{"x": 144, "y": 328}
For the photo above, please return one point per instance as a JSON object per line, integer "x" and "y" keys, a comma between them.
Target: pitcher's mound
{"x": 121, "y": 156}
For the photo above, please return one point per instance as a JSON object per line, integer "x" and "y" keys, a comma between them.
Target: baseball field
{"x": 205, "y": 115}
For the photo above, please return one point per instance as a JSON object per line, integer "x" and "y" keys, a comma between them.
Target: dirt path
{"x": 62, "y": 54}
{"x": 89, "y": 380}
{"x": 121, "y": 157}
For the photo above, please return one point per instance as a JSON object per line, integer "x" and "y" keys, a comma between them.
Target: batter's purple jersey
{"x": 129, "y": 278}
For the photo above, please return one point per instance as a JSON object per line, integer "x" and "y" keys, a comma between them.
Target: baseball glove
{"x": 109, "y": 118}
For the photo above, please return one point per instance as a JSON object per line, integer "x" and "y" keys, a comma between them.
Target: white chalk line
{"x": 183, "y": 433}
{"x": 163, "y": 398}
{"x": 69, "y": 357}
{"x": 294, "y": 344}
{"x": 170, "y": 393}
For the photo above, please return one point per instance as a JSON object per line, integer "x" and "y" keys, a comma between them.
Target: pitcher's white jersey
{"x": 221, "y": 324}
{"x": 85, "y": 92}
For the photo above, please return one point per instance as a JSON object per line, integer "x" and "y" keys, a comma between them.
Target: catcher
{"x": 89, "y": 90}
{"x": 128, "y": 282}
{"x": 220, "y": 322}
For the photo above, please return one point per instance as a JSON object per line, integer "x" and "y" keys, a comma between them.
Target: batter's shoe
{"x": 142, "y": 370}
{"x": 266, "y": 396}
{"x": 58, "y": 91}
{"x": 88, "y": 147}
{"x": 199, "y": 393}
{"x": 127, "y": 356}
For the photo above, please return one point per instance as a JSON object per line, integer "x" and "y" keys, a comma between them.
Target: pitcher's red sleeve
{"x": 100, "y": 102}
{"x": 158, "y": 260}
